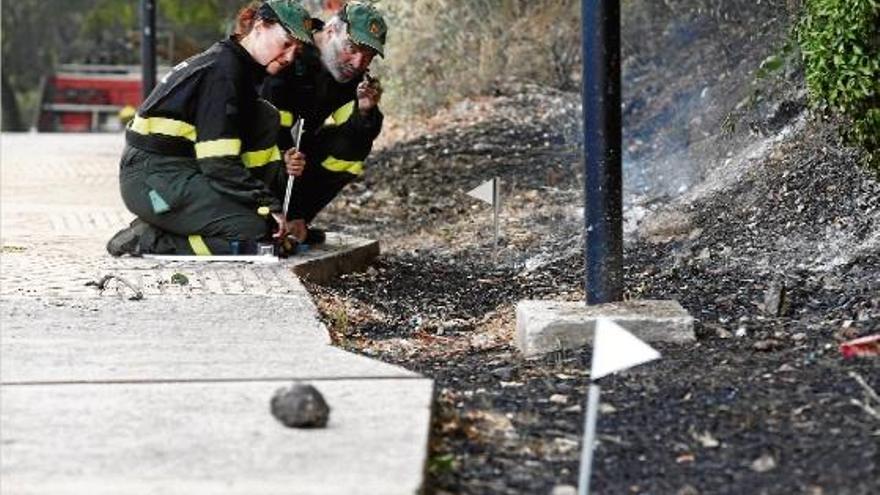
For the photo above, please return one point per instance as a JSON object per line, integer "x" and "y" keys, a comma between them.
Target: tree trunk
{"x": 11, "y": 113}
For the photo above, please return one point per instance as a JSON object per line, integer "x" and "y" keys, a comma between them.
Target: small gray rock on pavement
{"x": 300, "y": 406}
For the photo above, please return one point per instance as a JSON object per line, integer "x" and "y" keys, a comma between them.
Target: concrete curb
{"x": 339, "y": 255}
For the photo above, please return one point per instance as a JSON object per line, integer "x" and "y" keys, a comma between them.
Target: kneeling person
{"x": 329, "y": 82}
{"x": 185, "y": 171}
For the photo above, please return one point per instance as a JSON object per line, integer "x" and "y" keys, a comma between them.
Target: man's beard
{"x": 274, "y": 67}
{"x": 330, "y": 59}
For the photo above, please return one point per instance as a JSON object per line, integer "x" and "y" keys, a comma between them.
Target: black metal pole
{"x": 603, "y": 213}
{"x": 148, "y": 46}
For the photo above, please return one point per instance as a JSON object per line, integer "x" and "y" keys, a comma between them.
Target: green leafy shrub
{"x": 840, "y": 44}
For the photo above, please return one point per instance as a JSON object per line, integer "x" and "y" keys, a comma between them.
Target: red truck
{"x": 89, "y": 98}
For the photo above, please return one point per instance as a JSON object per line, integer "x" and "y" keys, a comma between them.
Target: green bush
{"x": 840, "y": 45}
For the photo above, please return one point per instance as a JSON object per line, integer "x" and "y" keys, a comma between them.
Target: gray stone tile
{"x": 216, "y": 438}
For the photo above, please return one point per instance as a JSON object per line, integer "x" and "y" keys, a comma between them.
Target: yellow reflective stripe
{"x": 161, "y": 125}
{"x": 336, "y": 165}
{"x": 259, "y": 158}
{"x": 218, "y": 147}
{"x": 343, "y": 113}
{"x": 286, "y": 118}
{"x": 198, "y": 245}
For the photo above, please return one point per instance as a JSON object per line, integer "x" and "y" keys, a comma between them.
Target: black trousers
{"x": 186, "y": 214}
{"x": 312, "y": 191}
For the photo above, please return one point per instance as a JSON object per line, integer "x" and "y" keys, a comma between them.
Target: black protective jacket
{"x": 337, "y": 139}
{"x": 206, "y": 111}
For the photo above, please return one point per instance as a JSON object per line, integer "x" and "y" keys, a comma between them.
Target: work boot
{"x": 315, "y": 236}
{"x": 127, "y": 240}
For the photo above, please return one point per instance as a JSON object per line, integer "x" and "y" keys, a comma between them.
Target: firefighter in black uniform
{"x": 186, "y": 171}
{"x": 329, "y": 87}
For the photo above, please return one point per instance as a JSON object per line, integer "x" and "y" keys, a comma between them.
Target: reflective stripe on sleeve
{"x": 343, "y": 113}
{"x": 336, "y": 165}
{"x": 198, "y": 245}
{"x": 161, "y": 125}
{"x": 253, "y": 159}
{"x": 286, "y": 118}
{"x": 218, "y": 147}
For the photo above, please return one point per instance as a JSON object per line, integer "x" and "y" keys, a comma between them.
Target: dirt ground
{"x": 740, "y": 204}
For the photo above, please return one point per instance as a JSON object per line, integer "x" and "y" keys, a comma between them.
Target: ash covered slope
{"x": 698, "y": 126}
{"x": 714, "y": 220}
{"x": 688, "y": 75}
{"x": 746, "y": 210}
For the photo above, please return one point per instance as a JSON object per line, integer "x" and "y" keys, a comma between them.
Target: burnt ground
{"x": 771, "y": 240}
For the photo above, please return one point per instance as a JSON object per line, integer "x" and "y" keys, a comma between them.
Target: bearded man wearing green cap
{"x": 330, "y": 88}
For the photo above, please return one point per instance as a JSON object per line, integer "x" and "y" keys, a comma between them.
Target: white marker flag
{"x": 615, "y": 349}
{"x": 484, "y": 192}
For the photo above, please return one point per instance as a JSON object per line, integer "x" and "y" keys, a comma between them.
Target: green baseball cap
{"x": 294, "y": 18}
{"x": 366, "y": 26}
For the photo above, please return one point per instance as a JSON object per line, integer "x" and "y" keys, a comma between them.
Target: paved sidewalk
{"x": 170, "y": 393}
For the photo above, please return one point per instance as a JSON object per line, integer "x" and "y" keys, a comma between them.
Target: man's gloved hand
{"x": 294, "y": 162}
{"x": 369, "y": 92}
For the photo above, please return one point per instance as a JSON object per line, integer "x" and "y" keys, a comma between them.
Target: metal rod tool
{"x": 296, "y": 133}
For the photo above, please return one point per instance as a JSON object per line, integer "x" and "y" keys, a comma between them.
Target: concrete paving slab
{"x": 218, "y": 438}
{"x": 60, "y": 273}
{"x": 170, "y": 393}
{"x": 549, "y": 326}
{"x": 47, "y": 170}
{"x": 218, "y": 337}
{"x": 40, "y": 265}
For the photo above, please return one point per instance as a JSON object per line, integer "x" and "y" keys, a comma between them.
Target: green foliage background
{"x": 840, "y": 45}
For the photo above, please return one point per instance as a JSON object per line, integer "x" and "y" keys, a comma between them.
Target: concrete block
{"x": 548, "y": 326}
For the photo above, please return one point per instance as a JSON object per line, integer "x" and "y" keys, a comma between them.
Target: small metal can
{"x": 234, "y": 247}
{"x": 264, "y": 249}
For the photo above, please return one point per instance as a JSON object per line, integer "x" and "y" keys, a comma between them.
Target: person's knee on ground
{"x": 239, "y": 234}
